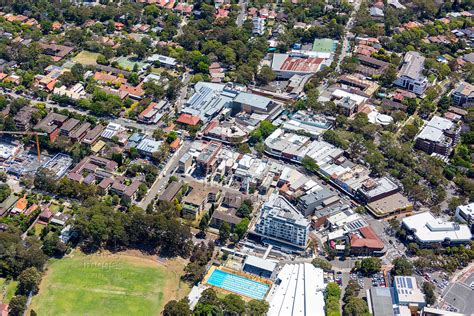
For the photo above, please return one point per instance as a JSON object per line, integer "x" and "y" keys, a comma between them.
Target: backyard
{"x": 86, "y": 58}
{"x": 109, "y": 284}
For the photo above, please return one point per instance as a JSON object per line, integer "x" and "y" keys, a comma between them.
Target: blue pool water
{"x": 238, "y": 284}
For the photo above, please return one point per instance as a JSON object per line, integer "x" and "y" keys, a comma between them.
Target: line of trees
{"x": 210, "y": 304}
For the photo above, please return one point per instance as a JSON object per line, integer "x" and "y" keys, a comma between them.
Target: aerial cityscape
{"x": 237, "y": 157}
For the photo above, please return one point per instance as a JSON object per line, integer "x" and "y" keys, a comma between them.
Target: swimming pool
{"x": 238, "y": 284}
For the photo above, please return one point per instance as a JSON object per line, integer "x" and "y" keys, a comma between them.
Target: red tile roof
{"x": 175, "y": 143}
{"x": 369, "y": 239}
{"x": 137, "y": 91}
{"x": 188, "y": 119}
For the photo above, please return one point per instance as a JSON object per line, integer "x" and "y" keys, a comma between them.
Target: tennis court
{"x": 128, "y": 64}
{"x": 238, "y": 284}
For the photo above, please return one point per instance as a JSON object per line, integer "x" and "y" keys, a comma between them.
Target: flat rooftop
{"x": 430, "y": 229}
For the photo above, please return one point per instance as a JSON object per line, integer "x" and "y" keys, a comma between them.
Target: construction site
{"x": 19, "y": 160}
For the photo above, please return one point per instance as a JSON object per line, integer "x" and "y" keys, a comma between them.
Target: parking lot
{"x": 458, "y": 296}
{"x": 365, "y": 283}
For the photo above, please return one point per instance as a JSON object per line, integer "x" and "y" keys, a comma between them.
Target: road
{"x": 165, "y": 174}
{"x": 243, "y": 9}
{"x": 183, "y": 91}
{"x": 345, "y": 41}
{"x": 147, "y": 129}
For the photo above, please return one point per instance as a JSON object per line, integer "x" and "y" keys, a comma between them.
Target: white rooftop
{"x": 340, "y": 94}
{"x": 407, "y": 290}
{"x": 428, "y": 229}
{"x": 434, "y": 129}
{"x": 261, "y": 263}
{"x": 300, "y": 292}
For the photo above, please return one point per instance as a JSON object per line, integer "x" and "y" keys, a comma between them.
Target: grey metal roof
{"x": 413, "y": 64}
{"x": 253, "y": 99}
{"x": 381, "y": 299}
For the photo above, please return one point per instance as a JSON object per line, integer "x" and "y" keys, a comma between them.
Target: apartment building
{"x": 438, "y": 136}
{"x": 410, "y": 75}
{"x": 464, "y": 95}
{"x": 281, "y": 222}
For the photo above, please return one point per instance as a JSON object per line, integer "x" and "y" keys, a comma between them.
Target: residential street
{"x": 164, "y": 175}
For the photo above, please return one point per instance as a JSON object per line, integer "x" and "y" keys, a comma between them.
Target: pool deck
{"x": 238, "y": 273}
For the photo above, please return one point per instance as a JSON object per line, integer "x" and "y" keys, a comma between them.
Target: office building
{"x": 316, "y": 199}
{"x": 258, "y": 25}
{"x": 428, "y": 231}
{"x": 365, "y": 242}
{"x": 376, "y": 189}
{"x": 407, "y": 293}
{"x": 287, "y": 65}
{"x": 465, "y": 213}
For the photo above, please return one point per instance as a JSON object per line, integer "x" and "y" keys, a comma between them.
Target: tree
{"x": 233, "y": 305}
{"x": 5, "y": 191}
{"x": 177, "y": 308}
{"x": 241, "y": 228}
{"x": 356, "y": 307}
{"x": 402, "y": 266}
{"x": 321, "y": 263}
{"x": 67, "y": 79}
{"x": 370, "y": 265}
{"x": 409, "y": 131}
{"x": 17, "y": 305}
{"x": 334, "y": 290}
{"x": 204, "y": 223}
{"x": 257, "y": 308}
{"x": 429, "y": 290}
{"x": 224, "y": 232}
{"x": 245, "y": 210}
{"x": 389, "y": 76}
{"x": 77, "y": 71}
{"x": 102, "y": 60}
{"x": 53, "y": 246}
{"x": 352, "y": 289}
{"x": 133, "y": 79}
{"x": 29, "y": 281}
{"x": 332, "y": 295}
{"x": 309, "y": 164}
{"x": 413, "y": 248}
{"x": 266, "y": 75}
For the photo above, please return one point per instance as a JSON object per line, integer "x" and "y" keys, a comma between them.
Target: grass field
{"x": 7, "y": 289}
{"x": 108, "y": 284}
{"x": 86, "y": 58}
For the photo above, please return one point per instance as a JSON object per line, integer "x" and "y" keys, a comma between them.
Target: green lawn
{"x": 108, "y": 285}
{"x": 7, "y": 289}
{"x": 86, "y": 58}
{"x": 38, "y": 228}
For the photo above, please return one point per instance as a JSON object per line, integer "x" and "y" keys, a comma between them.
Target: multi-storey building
{"x": 438, "y": 136}
{"x": 280, "y": 221}
{"x": 410, "y": 75}
{"x": 464, "y": 95}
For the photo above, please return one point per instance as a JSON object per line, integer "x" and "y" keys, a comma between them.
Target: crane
{"x": 29, "y": 133}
